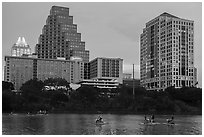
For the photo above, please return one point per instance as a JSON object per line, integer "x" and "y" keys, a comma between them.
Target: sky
{"x": 109, "y": 29}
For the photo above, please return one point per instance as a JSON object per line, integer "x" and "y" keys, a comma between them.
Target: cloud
{"x": 127, "y": 26}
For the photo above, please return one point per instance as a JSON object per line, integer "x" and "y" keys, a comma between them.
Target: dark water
{"x": 83, "y": 124}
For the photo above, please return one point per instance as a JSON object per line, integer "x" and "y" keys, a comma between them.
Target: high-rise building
{"x": 20, "y": 48}
{"x": 167, "y": 53}
{"x": 60, "y": 38}
{"x": 195, "y": 77}
{"x": 18, "y": 70}
{"x": 107, "y": 68}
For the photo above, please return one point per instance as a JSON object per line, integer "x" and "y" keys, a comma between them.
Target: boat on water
{"x": 170, "y": 121}
{"x": 12, "y": 113}
{"x": 170, "y": 124}
{"x": 150, "y": 123}
{"x": 100, "y": 123}
{"x": 42, "y": 112}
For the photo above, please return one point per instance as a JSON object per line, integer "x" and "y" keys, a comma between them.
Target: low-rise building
{"x": 100, "y": 83}
{"x": 107, "y": 68}
{"x": 18, "y": 70}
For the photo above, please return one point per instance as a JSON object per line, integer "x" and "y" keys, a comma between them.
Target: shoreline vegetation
{"x": 101, "y": 113}
{"x": 89, "y": 100}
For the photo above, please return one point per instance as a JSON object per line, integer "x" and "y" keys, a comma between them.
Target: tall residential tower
{"x": 167, "y": 53}
{"x": 60, "y": 38}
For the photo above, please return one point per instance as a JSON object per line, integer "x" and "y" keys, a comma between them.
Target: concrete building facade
{"x": 167, "y": 53}
{"x": 100, "y": 83}
{"x": 195, "y": 77}
{"x": 18, "y": 70}
{"x": 107, "y": 68}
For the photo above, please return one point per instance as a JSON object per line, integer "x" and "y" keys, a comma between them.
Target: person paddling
{"x": 148, "y": 120}
{"x": 145, "y": 118}
{"x": 152, "y": 118}
{"x": 170, "y": 120}
{"x": 99, "y": 119}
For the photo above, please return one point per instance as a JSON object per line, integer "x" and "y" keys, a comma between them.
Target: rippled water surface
{"x": 78, "y": 124}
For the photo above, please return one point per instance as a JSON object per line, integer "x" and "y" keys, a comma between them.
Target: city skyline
{"x": 102, "y": 30}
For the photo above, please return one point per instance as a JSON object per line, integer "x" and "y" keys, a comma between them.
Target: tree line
{"x": 86, "y": 99}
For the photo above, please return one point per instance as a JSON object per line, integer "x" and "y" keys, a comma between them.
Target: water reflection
{"x": 25, "y": 125}
{"x": 84, "y": 124}
{"x": 98, "y": 130}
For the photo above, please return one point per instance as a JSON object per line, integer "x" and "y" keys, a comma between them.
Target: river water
{"x": 84, "y": 124}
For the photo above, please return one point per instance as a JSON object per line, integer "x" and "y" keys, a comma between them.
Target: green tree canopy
{"x": 56, "y": 82}
{"x": 32, "y": 86}
{"x": 7, "y": 85}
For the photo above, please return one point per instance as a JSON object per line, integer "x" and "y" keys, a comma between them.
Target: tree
{"x": 31, "y": 91}
{"x": 58, "y": 98}
{"x": 7, "y": 85}
{"x": 56, "y": 82}
{"x": 32, "y": 86}
{"x": 85, "y": 98}
{"x": 125, "y": 98}
{"x": 7, "y": 99}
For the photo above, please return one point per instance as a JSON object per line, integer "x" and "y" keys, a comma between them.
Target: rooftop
{"x": 21, "y": 42}
{"x": 168, "y": 15}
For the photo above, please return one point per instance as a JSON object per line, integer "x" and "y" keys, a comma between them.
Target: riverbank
{"x": 182, "y": 101}
{"x": 106, "y": 112}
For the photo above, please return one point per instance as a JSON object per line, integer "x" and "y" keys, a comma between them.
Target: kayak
{"x": 150, "y": 123}
{"x": 169, "y": 124}
{"x": 100, "y": 123}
